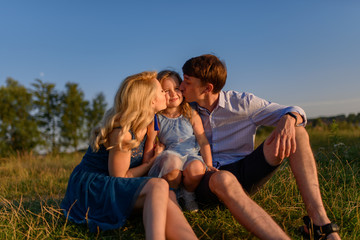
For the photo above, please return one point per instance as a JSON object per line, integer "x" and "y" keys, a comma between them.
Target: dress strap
{"x": 156, "y": 123}
{"x": 131, "y": 132}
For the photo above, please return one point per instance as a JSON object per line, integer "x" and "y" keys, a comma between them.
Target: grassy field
{"x": 31, "y": 188}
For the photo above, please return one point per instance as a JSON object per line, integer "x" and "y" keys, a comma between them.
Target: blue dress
{"x": 181, "y": 147}
{"x": 95, "y": 198}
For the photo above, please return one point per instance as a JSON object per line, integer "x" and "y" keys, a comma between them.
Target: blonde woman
{"x": 107, "y": 185}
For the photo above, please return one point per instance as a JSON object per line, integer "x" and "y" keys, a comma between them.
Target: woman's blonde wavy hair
{"x": 132, "y": 110}
{"x": 185, "y": 108}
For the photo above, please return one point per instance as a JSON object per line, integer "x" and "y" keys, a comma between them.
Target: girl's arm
{"x": 199, "y": 132}
{"x": 119, "y": 159}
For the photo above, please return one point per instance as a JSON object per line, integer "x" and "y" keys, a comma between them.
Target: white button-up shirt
{"x": 231, "y": 127}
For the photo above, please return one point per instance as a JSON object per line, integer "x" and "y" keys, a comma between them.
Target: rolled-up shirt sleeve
{"x": 265, "y": 113}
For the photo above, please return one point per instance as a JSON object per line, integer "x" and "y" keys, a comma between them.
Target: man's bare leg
{"x": 227, "y": 188}
{"x": 303, "y": 166}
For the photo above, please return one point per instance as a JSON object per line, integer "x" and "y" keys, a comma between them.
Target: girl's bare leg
{"x": 193, "y": 173}
{"x": 173, "y": 178}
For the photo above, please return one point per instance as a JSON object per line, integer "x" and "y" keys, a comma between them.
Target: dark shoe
{"x": 312, "y": 231}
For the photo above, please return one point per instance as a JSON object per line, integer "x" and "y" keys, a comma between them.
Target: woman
{"x": 108, "y": 184}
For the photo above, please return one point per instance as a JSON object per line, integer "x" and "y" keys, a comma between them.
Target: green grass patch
{"x": 31, "y": 189}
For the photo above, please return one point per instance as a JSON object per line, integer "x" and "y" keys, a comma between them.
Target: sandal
{"x": 317, "y": 232}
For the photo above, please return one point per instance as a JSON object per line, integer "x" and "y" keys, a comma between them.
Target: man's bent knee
{"x": 223, "y": 182}
{"x": 302, "y": 142}
{"x": 269, "y": 153}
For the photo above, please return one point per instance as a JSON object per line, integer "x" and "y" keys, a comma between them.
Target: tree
{"x": 95, "y": 112}
{"x": 46, "y": 104}
{"x": 351, "y": 118}
{"x": 18, "y": 130}
{"x": 73, "y": 107}
{"x": 318, "y": 123}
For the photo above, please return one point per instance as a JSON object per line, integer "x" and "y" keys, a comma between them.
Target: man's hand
{"x": 284, "y": 137}
{"x": 211, "y": 168}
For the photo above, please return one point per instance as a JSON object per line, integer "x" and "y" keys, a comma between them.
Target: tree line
{"x": 43, "y": 118}
{"x": 351, "y": 121}
{"x": 47, "y": 119}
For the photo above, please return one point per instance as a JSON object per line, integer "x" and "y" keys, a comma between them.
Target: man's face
{"x": 192, "y": 89}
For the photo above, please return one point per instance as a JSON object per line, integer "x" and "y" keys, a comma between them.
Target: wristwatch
{"x": 294, "y": 116}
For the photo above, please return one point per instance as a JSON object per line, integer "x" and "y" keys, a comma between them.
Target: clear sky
{"x": 292, "y": 52}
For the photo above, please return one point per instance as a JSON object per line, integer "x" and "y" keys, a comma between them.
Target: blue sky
{"x": 304, "y": 53}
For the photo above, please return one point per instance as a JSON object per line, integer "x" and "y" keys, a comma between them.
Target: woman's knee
{"x": 156, "y": 188}
{"x": 156, "y": 184}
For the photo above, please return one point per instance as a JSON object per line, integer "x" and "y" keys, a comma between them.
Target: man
{"x": 230, "y": 120}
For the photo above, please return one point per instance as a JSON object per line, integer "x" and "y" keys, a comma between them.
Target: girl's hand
{"x": 211, "y": 168}
{"x": 158, "y": 148}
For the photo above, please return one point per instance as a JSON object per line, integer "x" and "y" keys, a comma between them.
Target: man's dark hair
{"x": 209, "y": 69}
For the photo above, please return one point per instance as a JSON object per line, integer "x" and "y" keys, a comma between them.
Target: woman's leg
{"x": 193, "y": 173}
{"x": 153, "y": 198}
{"x": 177, "y": 226}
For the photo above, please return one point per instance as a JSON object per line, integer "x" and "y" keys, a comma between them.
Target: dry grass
{"x": 31, "y": 188}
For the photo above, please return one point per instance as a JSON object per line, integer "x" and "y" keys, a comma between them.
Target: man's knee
{"x": 223, "y": 183}
{"x": 270, "y": 153}
{"x": 302, "y": 143}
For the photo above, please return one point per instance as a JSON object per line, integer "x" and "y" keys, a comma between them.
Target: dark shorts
{"x": 251, "y": 171}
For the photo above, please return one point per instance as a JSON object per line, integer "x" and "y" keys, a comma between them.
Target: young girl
{"x": 108, "y": 184}
{"x": 181, "y": 159}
